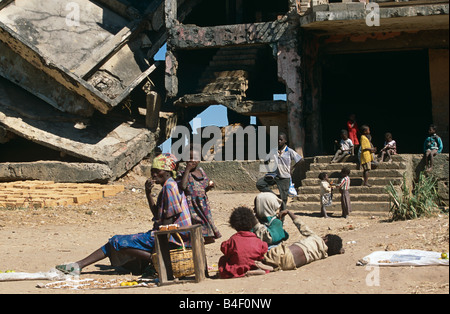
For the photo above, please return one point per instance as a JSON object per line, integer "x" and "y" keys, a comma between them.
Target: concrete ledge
{"x": 55, "y": 171}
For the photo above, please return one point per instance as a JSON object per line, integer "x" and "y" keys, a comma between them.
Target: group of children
{"x": 366, "y": 153}
{"x": 259, "y": 244}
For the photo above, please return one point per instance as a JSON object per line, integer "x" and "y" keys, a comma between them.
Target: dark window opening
{"x": 19, "y": 149}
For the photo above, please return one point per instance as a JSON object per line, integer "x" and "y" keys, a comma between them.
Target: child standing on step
{"x": 326, "y": 193}
{"x": 367, "y": 151}
{"x": 344, "y": 186}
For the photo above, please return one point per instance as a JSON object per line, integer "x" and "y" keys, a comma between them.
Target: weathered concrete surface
{"x": 87, "y": 50}
{"x": 55, "y": 171}
{"x": 345, "y": 17}
{"x": 440, "y": 171}
{"x": 109, "y": 141}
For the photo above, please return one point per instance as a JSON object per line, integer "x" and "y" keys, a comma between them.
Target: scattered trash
{"x": 53, "y": 274}
{"x": 404, "y": 258}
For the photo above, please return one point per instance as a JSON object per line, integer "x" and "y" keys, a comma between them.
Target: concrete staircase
{"x": 364, "y": 199}
{"x": 229, "y": 70}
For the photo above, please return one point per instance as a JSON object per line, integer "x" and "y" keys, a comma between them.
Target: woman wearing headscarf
{"x": 269, "y": 228}
{"x": 136, "y": 250}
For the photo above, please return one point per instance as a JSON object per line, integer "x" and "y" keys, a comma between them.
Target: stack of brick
{"x": 39, "y": 194}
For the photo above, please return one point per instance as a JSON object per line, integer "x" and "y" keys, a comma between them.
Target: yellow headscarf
{"x": 166, "y": 162}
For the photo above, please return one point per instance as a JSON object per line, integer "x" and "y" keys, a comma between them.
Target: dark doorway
{"x": 389, "y": 91}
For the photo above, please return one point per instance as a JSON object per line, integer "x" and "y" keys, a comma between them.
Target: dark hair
{"x": 345, "y": 171}
{"x": 433, "y": 127}
{"x": 322, "y": 175}
{"x": 388, "y": 135}
{"x": 334, "y": 244}
{"x": 283, "y": 134}
{"x": 242, "y": 219}
{"x": 364, "y": 127}
{"x": 344, "y": 132}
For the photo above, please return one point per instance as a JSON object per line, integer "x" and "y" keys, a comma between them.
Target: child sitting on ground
{"x": 269, "y": 228}
{"x": 326, "y": 193}
{"x": 311, "y": 248}
{"x": 432, "y": 146}
{"x": 344, "y": 186}
{"x": 243, "y": 248}
{"x": 389, "y": 149}
{"x": 345, "y": 147}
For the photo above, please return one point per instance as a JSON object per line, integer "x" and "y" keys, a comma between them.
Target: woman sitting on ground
{"x": 270, "y": 227}
{"x": 170, "y": 208}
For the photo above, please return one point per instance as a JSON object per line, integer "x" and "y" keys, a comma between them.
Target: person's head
{"x": 194, "y": 155}
{"x": 432, "y": 129}
{"x": 388, "y": 137}
{"x": 345, "y": 171}
{"x": 344, "y": 134}
{"x": 323, "y": 176}
{"x": 163, "y": 167}
{"x": 282, "y": 140}
{"x": 267, "y": 204}
{"x": 365, "y": 130}
{"x": 242, "y": 219}
{"x": 352, "y": 117}
{"x": 334, "y": 244}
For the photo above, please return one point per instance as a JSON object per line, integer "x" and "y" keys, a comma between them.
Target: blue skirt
{"x": 141, "y": 241}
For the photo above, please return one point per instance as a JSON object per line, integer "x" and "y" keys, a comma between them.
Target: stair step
{"x": 353, "y": 166}
{"x": 315, "y": 189}
{"x": 235, "y": 56}
{"x": 357, "y": 207}
{"x": 358, "y": 173}
{"x": 233, "y": 62}
{"x": 327, "y": 159}
{"x": 336, "y": 197}
{"x": 357, "y": 181}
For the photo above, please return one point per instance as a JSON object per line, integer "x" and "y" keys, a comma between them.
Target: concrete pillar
{"x": 439, "y": 81}
{"x": 289, "y": 73}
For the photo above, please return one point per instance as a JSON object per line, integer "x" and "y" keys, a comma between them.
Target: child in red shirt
{"x": 243, "y": 248}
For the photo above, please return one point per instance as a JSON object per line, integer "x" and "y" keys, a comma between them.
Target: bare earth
{"x": 35, "y": 240}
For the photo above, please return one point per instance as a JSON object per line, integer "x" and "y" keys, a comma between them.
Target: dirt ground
{"x": 35, "y": 240}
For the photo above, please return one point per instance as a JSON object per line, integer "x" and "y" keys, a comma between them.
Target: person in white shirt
{"x": 345, "y": 147}
{"x": 282, "y": 175}
{"x": 389, "y": 149}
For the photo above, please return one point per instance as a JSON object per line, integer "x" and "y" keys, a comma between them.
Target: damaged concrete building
{"x": 77, "y": 76}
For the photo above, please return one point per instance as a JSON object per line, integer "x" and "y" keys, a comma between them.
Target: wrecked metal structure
{"x": 76, "y": 76}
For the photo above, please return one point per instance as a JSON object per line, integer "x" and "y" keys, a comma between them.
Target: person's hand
{"x": 283, "y": 213}
{"x": 149, "y": 184}
{"x": 190, "y": 166}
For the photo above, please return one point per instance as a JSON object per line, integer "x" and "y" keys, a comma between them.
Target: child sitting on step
{"x": 389, "y": 149}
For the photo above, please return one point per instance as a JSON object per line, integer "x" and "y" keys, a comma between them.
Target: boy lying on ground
{"x": 305, "y": 251}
